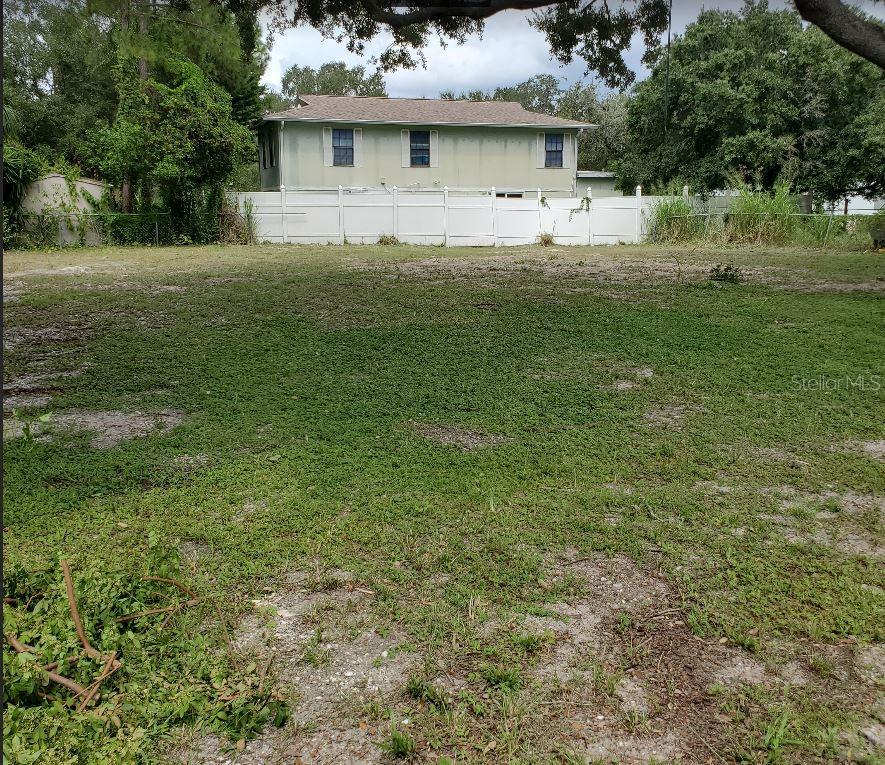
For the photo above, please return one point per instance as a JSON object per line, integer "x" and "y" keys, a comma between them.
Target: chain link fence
{"x": 157, "y": 228}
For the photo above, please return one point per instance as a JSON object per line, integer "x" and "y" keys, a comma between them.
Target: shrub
{"x": 757, "y": 217}
{"x": 387, "y": 239}
{"x": 674, "y": 219}
{"x": 545, "y": 240}
{"x": 726, "y": 272}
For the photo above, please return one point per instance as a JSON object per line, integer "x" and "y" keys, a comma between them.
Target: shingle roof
{"x": 417, "y": 111}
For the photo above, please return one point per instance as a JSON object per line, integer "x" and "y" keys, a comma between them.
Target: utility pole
{"x": 667, "y": 75}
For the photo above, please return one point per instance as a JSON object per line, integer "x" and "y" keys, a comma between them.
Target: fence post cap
{"x": 639, "y": 191}
{"x": 282, "y": 188}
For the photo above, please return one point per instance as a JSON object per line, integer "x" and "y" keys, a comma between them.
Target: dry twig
{"x": 172, "y": 609}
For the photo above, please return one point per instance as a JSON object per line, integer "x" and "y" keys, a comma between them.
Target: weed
{"x": 387, "y": 240}
{"x": 313, "y": 654}
{"x": 674, "y": 220}
{"x": 546, "y": 240}
{"x": 776, "y": 736}
{"x": 726, "y": 272}
{"x": 399, "y": 743}
{"x": 530, "y": 643}
{"x": 422, "y": 690}
{"x": 500, "y": 677}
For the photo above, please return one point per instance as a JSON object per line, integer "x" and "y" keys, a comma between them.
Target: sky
{"x": 509, "y": 51}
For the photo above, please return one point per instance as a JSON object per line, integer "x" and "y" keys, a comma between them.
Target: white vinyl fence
{"x": 442, "y": 217}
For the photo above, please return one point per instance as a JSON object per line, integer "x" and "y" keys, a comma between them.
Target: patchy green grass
{"x": 446, "y": 434}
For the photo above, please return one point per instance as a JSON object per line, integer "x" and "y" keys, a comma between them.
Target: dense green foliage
{"x": 332, "y": 79}
{"x": 174, "y": 133}
{"x": 756, "y": 96}
{"x": 169, "y": 677}
{"x": 157, "y": 102}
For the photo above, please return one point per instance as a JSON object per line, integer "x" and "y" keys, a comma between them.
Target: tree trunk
{"x": 142, "y": 31}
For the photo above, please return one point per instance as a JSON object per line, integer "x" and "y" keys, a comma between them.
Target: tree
{"x": 755, "y": 96}
{"x": 604, "y": 144}
{"x": 595, "y": 30}
{"x": 332, "y": 79}
{"x": 57, "y": 75}
{"x": 173, "y": 132}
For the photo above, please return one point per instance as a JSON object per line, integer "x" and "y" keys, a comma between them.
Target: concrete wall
{"x": 601, "y": 187}
{"x": 467, "y": 157}
{"x": 52, "y": 195}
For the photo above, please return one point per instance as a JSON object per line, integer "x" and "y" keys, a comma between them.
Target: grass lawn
{"x": 515, "y": 506}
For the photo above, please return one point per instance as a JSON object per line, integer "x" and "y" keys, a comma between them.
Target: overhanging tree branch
{"x": 846, "y": 27}
{"x": 395, "y": 20}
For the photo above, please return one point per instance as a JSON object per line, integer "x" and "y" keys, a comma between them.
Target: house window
{"x": 553, "y": 150}
{"x": 342, "y": 147}
{"x": 271, "y": 149}
{"x": 419, "y": 148}
{"x": 262, "y": 150}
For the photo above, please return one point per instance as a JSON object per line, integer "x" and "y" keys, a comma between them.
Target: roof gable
{"x": 418, "y": 111}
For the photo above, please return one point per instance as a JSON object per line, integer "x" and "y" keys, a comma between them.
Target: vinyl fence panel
{"x": 454, "y": 217}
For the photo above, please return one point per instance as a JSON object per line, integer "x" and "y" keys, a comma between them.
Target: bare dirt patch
{"x": 453, "y": 435}
{"x": 870, "y": 664}
{"x": 666, "y": 416}
{"x": 875, "y": 449}
{"x": 33, "y": 336}
{"x": 108, "y": 428}
{"x": 636, "y": 684}
{"x": 636, "y": 376}
{"x": 829, "y": 518}
{"x": 328, "y": 649}
{"x": 777, "y": 454}
{"x": 12, "y": 291}
{"x": 25, "y": 401}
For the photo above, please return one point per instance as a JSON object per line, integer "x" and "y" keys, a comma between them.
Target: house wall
{"x": 269, "y": 153}
{"x": 468, "y": 157}
{"x": 601, "y": 187}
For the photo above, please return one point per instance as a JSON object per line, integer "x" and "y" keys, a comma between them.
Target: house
{"x": 330, "y": 141}
{"x": 598, "y": 183}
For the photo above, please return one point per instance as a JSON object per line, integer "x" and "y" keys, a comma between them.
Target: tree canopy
{"x": 332, "y": 79}
{"x": 157, "y": 98}
{"x": 597, "y": 31}
{"x": 756, "y": 96}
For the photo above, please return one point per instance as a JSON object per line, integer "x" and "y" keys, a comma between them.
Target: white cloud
{"x": 509, "y": 51}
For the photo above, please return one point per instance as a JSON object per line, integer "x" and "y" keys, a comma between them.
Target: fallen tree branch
{"x": 75, "y": 614}
{"x": 174, "y": 582}
{"x": 106, "y": 672}
{"x": 20, "y": 647}
{"x": 154, "y": 611}
{"x": 230, "y": 645}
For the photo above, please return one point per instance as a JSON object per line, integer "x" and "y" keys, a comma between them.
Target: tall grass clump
{"x": 674, "y": 219}
{"x": 757, "y": 217}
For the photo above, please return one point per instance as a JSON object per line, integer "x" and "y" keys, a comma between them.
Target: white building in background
{"x": 599, "y": 183}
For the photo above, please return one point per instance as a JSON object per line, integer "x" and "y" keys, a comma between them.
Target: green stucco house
{"x": 330, "y": 141}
